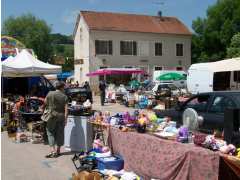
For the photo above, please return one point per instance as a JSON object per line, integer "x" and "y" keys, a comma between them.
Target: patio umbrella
{"x": 171, "y": 76}
{"x": 110, "y": 71}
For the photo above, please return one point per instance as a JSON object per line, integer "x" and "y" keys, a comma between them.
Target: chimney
{"x": 159, "y": 14}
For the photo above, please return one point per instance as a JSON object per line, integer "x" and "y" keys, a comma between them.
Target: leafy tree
{"x": 33, "y": 32}
{"x": 213, "y": 34}
{"x": 234, "y": 49}
{"x": 61, "y": 39}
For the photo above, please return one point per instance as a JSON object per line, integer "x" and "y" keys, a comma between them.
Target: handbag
{"x": 47, "y": 115}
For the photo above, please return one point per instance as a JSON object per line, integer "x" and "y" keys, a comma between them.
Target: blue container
{"x": 112, "y": 162}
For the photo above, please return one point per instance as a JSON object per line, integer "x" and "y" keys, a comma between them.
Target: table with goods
{"x": 154, "y": 148}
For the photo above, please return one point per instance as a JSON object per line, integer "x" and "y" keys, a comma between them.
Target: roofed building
{"x": 104, "y": 39}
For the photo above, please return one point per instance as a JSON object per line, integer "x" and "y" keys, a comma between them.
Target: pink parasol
{"x": 110, "y": 71}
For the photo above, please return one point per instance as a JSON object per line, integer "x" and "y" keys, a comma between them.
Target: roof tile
{"x": 134, "y": 23}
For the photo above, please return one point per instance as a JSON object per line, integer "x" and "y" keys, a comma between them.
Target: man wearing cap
{"x": 57, "y": 104}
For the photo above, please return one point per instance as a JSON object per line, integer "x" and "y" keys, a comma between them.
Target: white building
{"x": 103, "y": 39}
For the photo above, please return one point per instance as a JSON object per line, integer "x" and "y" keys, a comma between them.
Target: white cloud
{"x": 69, "y": 17}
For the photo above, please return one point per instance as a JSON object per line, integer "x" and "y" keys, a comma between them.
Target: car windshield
{"x": 76, "y": 90}
{"x": 172, "y": 87}
{"x": 237, "y": 97}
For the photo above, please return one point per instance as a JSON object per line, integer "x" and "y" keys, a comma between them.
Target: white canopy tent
{"x": 25, "y": 64}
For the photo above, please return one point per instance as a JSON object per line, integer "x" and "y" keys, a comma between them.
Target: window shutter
{"x": 96, "y": 46}
{"x": 121, "y": 47}
{"x": 134, "y": 48}
{"x": 110, "y": 47}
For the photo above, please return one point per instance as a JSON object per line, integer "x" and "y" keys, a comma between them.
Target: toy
{"x": 98, "y": 117}
{"x": 143, "y": 119}
{"x": 106, "y": 117}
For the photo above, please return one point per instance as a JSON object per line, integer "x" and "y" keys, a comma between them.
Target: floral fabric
{"x": 152, "y": 157}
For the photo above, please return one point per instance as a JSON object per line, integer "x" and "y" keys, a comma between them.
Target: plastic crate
{"x": 106, "y": 163}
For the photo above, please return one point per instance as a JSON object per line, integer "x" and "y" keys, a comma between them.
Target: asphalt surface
{"x": 26, "y": 161}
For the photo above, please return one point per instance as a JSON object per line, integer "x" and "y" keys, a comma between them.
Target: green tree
{"x": 234, "y": 49}
{"x": 33, "y": 32}
{"x": 213, "y": 34}
{"x": 61, "y": 39}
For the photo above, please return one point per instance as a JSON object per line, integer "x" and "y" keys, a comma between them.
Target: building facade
{"x": 125, "y": 40}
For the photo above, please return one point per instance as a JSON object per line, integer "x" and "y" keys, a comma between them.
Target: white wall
{"x": 168, "y": 59}
{"x": 81, "y": 51}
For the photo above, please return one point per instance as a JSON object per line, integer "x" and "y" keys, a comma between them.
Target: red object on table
{"x": 152, "y": 157}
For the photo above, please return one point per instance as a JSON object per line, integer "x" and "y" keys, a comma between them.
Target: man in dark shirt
{"x": 102, "y": 88}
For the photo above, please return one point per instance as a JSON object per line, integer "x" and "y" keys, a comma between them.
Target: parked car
{"x": 79, "y": 94}
{"x": 23, "y": 85}
{"x": 168, "y": 89}
{"x": 210, "y": 106}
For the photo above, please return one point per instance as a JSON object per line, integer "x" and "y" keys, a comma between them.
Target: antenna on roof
{"x": 159, "y": 3}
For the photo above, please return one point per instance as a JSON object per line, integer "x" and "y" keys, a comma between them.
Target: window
{"x": 236, "y": 76}
{"x": 179, "y": 49}
{"x": 103, "y": 67}
{"x": 158, "y": 68}
{"x": 220, "y": 103}
{"x": 128, "y": 66}
{"x": 198, "y": 103}
{"x": 103, "y": 47}
{"x": 179, "y": 68}
{"x": 128, "y": 48}
{"x": 158, "y": 49}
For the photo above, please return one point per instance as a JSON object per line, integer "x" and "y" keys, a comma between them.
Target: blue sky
{"x": 61, "y": 14}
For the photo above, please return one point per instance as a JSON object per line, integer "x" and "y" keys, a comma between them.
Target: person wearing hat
{"x": 57, "y": 104}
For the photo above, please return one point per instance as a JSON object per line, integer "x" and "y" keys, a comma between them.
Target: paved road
{"x": 26, "y": 161}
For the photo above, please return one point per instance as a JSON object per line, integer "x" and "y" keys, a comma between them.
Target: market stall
{"x": 24, "y": 103}
{"x": 154, "y": 148}
{"x": 152, "y": 157}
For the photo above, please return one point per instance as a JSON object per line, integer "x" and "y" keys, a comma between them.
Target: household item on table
{"x": 160, "y": 107}
{"x": 171, "y": 129}
{"x": 141, "y": 128}
{"x": 84, "y": 162}
{"x": 166, "y": 135}
{"x": 103, "y": 155}
{"x": 85, "y": 175}
{"x": 123, "y": 175}
{"x": 106, "y": 117}
{"x": 79, "y": 110}
{"x": 143, "y": 102}
{"x": 215, "y": 144}
{"x": 199, "y": 138}
{"x": 228, "y": 149}
{"x": 112, "y": 162}
{"x": 183, "y": 134}
{"x": 238, "y": 152}
{"x": 78, "y": 133}
{"x": 111, "y": 93}
{"x": 191, "y": 119}
{"x": 87, "y": 104}
{"x": 121, "y": 89}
